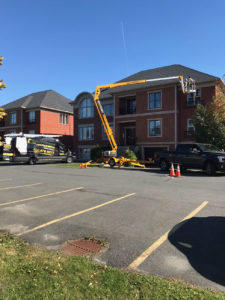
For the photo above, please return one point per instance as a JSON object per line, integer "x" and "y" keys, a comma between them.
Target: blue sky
{"x": 71, "y": 46}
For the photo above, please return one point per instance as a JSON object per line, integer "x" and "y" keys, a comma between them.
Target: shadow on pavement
{"x": 202, "y": 240}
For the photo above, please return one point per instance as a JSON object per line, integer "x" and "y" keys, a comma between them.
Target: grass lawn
{"x": 30, "y": 272}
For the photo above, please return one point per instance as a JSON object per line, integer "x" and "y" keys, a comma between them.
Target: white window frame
{"x": 64, "y": 119}
{"x": 155, "y": 92}
{"x": 154, "y": 120}
{"x": 12, "y": 118}
{"x": 82, "y": 127}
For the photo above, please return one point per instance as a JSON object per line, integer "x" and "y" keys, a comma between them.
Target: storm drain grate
{"x": 82, "y": 247}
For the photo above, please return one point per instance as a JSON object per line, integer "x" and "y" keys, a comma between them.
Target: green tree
{"x": 209, "y": 121}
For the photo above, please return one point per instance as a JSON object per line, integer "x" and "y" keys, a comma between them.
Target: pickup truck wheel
{"x": 163, "y": 165}
{"x": 210, "y": 168}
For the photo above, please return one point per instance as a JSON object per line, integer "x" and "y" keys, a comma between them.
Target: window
{"x": 108, "y": 109}
{"x": 12, "y": 117}
{"x": 86, "y": 109}
{"x": 86, "y": 132}
{"x": 31, "y": 131}
{"x": 190, "y": 127}
{"x": 12, "y": 131}
{"x": 104, "y": 136}
{"x": 155, "y": 128}
{"x": 194, "y": 99}
{"x": 31, "y": 116}
{"x": 64, "y": 119}
{"x": 155, "y": 100}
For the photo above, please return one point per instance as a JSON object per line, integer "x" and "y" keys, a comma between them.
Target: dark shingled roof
{"x": 47, "y": 99}
{"x": 168, "y": 71}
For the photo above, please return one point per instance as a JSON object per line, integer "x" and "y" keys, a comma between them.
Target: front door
{"x": 130, "y": 136}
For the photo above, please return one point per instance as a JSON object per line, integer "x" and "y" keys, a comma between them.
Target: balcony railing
{"x": 129, "y": 111}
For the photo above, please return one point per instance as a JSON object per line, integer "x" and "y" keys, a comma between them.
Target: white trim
{"x": 155, "y": 136}
{"x": 156, "y": 143}
{"x": 49, "y": 108}
{"x": 129, "y": 121}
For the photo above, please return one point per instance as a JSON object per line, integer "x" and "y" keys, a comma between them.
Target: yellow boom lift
{"x": 110, "y": 157}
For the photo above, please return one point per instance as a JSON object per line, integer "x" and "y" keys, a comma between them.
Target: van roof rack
{"x": 31, "y": 135}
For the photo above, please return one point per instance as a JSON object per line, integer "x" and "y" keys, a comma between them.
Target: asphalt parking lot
{"x": 171, "y": 227}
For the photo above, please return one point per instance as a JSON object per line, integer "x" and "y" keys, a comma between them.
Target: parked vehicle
{"x": 193, "y": 156}
{"x": 33, "y": 148}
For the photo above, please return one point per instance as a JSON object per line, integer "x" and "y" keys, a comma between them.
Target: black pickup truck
{"x": 193, "y": 156}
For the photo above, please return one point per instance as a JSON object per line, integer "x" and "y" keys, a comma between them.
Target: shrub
{"x": 96, "y": 152}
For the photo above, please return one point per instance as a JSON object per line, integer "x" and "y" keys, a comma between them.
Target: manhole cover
{"x": 84, "y": 247}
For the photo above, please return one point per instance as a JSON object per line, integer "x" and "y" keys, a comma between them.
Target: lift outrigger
{"x": 110, "y": 156}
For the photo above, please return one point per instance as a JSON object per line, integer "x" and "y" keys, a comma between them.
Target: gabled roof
{"x": 168, "y": 71}
{"x": 46, "y": 99}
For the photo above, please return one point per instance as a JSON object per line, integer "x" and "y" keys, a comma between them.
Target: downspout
{"x": 21, "y": 120}
{"x": 175, "y": 116}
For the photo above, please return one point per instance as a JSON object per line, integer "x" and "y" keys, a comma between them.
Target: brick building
{"x": 44, "y": 112}
{"x": 145, "y": 117}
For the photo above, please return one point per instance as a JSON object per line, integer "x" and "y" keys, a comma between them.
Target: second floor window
{"x": 63, "y": 119}
{"x": 86, "y": 133}
{"x": 108, "y": 109}
{"x": 155, "y": 100}
{"x": 86, "y": 109}
{"x": 31, "y": 116}
{"x": 194, "y": 99}
{"x": 12, "y": 117}
{"x": 155, "y": 128}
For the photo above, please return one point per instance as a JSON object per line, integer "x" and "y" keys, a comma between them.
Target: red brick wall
{"x": 50, "y": 123}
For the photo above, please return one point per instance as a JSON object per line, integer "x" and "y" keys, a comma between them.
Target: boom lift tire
{"x": 112, "y": 162}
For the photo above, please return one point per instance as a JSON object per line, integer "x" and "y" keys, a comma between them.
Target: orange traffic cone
{"x": 81, "y": 166}
{"x": 172, "y": 173}
{"x": 85, "y": 166}
{"x": 178, "y": 171}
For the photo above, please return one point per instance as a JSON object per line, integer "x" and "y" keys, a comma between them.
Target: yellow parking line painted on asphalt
{"x": 6, "y": 179}
{"x": 139, "y": 260}
{"x": 41, "y": 196}
{"x": 74, "y": 214}
{"x": 19, "y": 186}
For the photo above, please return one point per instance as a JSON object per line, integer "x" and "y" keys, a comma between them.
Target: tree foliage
{"x": 209, "y": 121}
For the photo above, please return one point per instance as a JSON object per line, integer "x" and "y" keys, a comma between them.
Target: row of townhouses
{"x": 145, "y": 117}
